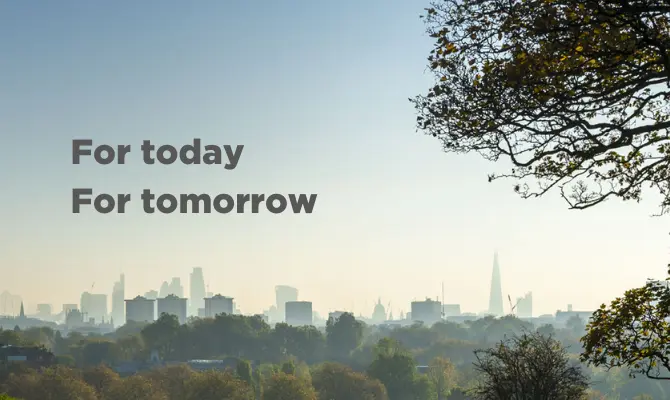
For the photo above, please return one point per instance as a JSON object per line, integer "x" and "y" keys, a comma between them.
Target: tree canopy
{"x": 633, "y": 332}
{"x": 529, "y": 366}
{"x": 573, "y": 93}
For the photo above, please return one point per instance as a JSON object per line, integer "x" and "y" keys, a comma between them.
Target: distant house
{"x": 33, "y": 356}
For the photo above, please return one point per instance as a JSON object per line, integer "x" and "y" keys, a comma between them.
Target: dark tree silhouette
{"x": 574, "y": 93}
{"x": 526, "y": 367}
{"x": 633, "y": 332}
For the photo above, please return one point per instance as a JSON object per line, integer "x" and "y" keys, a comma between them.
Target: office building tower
{"x": 141, "y": 309}
{"x": 172, "y": 305}
{"x": 496, "y": 297}
{"x": 197, "y": 291}
{"x": 428, "y": 311}
{"x": 451, "y": 310}
{"x": 44, "y": 310}
{"x": 284, "y": 294}
{"x": 524, "y": 306}
{"x": 218, "y": 304}
{"x": 69, "y": 307}
{"x": 299, "y": 313}
{"x": 93, "y": 306}
{"x": 176, "y": 288}
{"x": 118, "y": 302}
{"x": 9, "y": 303}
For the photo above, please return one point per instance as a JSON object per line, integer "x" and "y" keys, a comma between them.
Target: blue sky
{"x": 317, "y": 93}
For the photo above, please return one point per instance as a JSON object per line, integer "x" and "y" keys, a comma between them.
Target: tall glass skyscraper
{"x": 197, "y": 293}
{"x": 496, "y": 297}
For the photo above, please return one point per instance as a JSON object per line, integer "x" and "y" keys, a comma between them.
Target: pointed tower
{"x": 496, "y": 297}
{"x": 22, "y": 314}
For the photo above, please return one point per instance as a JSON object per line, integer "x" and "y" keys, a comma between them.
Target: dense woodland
{"x": 348, "y": 360}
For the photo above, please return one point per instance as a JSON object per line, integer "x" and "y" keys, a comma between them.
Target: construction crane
{"x": 512, "y": 306}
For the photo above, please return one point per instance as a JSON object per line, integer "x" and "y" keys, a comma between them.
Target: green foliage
{"x": 335, "y": 381}
{"x": 394, "y": 367}
{"x": 288, "y": 387}
{"x": 215, "y": 385}
{"x": 288, "y": 367}
{"x": 442, "y": 374}
{"x": 344, "y": 335}
{"x": 56, "y": 383}
{"x": 172, "y": 380}
{"x": 136, "y": 387}
{"x": 633, "y": 332}
{"x": 162, "y": 335}
{"x": 529, "y": 366}
{"x": 243, "y": 371}
{"x": 100, "y": 377}
{"x": 292, "y": 349}
{"x": 574, "y": 93}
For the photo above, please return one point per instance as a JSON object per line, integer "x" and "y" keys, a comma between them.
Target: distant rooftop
{"x": 219, "y": 296}
{"x": 140, "y": 298}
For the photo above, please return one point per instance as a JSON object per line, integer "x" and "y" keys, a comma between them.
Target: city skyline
{"x": 284, "y": 293}
{"x": 329, "y": 115}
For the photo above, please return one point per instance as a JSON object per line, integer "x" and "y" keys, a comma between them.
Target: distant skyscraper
{"x": 197, "y": 293}
{"x": 93, "y": 305}
{"x": 141, "y": 309}
{"x": 524, "y": 306}
{"x": 176, "y": 288}
{"x": 173, "y": 288}
{"x": 151, "y": 295}
{"x": 496, "y": 297}
{"x": 118, "y": 301}
{"x": 284, "y": 295}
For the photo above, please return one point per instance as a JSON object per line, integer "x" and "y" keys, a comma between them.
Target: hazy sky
{"x": 317, "y": 92}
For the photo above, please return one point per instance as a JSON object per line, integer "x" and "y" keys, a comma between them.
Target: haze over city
{"x": 318, "y": 97}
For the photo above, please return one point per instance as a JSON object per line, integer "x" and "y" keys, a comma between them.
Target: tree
{"x": 94, "y": 352}
{"x": 288, "y": 367}
{"x": 306, "y": 343}
{"x": 100, "y": 377}
{"x": 633, "y": 332}
{"x": 215, "y": 385}
{"x": 11, "y": 338}
{"x": 55, "y": 383}
{"x": 171, "y": 380}
{"x": 546, "y": 330}
{"x": 394, "y": 367}
{"x": 162, "y": 334}
{"x": 343, "y": 335}
{"x": 131, "y": 347}
{"x": 573, "y": 93}
{"x": 443, "y": 375}
{"x": 288, "y": 387}
{"x": 530, "y": 366}
{"x": 135, "y": 387}
{"x": 335, "y": 381}
{"x": 243, "y": 371}
{"x": 575, "y": 325}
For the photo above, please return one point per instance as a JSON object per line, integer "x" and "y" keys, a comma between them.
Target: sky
{"x": 318, "y": 95}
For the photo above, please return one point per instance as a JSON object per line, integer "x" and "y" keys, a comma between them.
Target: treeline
{"x": 179, "y": 382}
{"x": 398, "y": 361}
